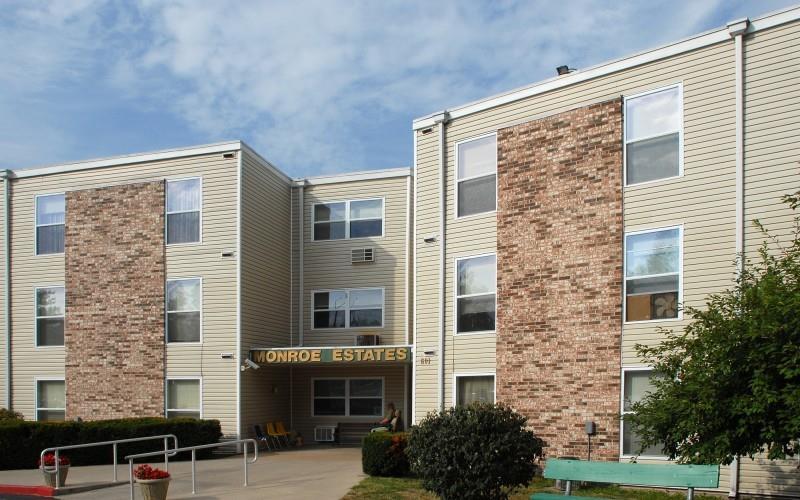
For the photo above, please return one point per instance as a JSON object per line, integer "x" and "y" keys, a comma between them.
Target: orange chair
{"x": 273, "y": 433}
{"x": 281, "y": 429}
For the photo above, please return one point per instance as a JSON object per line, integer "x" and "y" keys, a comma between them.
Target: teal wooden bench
{"x": 667, "y": 475}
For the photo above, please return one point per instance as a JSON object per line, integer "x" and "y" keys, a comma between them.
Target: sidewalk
{"x": 312, "y": 473}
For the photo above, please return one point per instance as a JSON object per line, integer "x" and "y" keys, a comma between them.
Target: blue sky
{"x": 314, "y": 86}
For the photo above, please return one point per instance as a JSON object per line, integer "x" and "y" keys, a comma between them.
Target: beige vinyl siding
{"x": 196, "y": 260}
{"x": 327, "y": 264}
{"x": 265, "y": 275}
{"x": 2, "y": 300}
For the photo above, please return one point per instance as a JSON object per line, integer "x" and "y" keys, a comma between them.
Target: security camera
{"x": 248, "y": 363}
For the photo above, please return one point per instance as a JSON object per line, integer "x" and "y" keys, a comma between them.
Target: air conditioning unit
{"x": 324, "y": 433}
{"x": 364, "y": 340}
{"x": 360, "y": 255}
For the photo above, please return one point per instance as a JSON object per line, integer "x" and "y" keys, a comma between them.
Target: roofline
{"x": 220, "y": 147}
{"x": 679, "y": 47}
{"x": 363, "y": 175}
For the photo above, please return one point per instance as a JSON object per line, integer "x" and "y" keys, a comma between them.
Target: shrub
{"x": 481, "y": 451}
{"x": 383, "y": 454}
{"x": 9, "y": 415}
{"x": 22, "y": 441}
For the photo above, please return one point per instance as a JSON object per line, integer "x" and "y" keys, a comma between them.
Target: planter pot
{"x": 154, "y": 489}
{"x": 50, "y": 476}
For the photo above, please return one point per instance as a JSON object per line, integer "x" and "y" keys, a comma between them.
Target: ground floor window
{"x": 51, "y": 402}
{"x": 474, "y": 388}
{"x": 635, "y": 385}
{"x": 348, "y": 397}
{"x": 183, "y": 398}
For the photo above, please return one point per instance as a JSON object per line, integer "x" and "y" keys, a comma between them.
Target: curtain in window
{"x": 475, "y": 389}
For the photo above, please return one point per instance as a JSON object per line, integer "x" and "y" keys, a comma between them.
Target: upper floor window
{"x": 184, "y": 207}
{"x": 348, "y": 219}
{"x": 184, "y": 305}
{"x": 636, "y": 384}
{"x": 476, "y": 288}
{"x": 357, "y": 308}
{"x": 652, "y": 274}
{"x": 50, "y": 224}
{"x": 51, "y": 402}
{"x": 50, "y": 316}
{"x": 183, "y": 397}
{"x": 476, "y": 176}
{"x": 653, "y": 135}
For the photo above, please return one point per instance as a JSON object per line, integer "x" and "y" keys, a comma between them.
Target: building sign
{"x": 343, "y": 355}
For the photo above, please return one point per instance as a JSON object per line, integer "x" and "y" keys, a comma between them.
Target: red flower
{"x": 146, "y": 472}
{"x": 50, "y": 460}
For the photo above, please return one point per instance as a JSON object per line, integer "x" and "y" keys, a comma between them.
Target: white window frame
{"x": 36, "y": 224}
{"x": 456, "y": 296}
{"x": 167, "y": 212}
{"x": 458, "y": 181}
{"x": 347, "y": 308}
{"x": 166, "y": 394}
{"x": 347, "y": 397}
{"x": 459, "y": 375}
{"x": 679, "y": 227}
{"x": 36, "y": 407}
{"x": 347, "y": 218}
{"x": 36, "y": 316}
{"x": 625, "y": 99}
{"x": 167, "y": 311}
{"x": 622, "y": 412}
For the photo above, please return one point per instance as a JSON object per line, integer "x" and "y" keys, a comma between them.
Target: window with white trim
{"x": 183, "y": 398}
{"x": 184, "y": 207}
{"x": 347, "y": 397}
{"x": 349, "y": 308}
{"x": 50, "y": 316}
{"x": 184, "y": 309}
{"x": 476, "y": 176}
{"x": 652, "y": 275}
{"x": 474, "y": 389}
{"x": 636, "y": 384}
{"x": 653, "y": 128}
{"x": 348, "y": 219}
{"x": 51, "y": 402}
{"x": 476, "y": 289}
{"x": 50, "y": 210}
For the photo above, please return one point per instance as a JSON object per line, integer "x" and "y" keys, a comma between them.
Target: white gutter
{"x": 736, "y": 30}
{"x": 413, "y": 318}
{"x": 6, "y": 286}
{"x": 239, "y": 360}
{"x": 442, "y": 120}
{"x": 300, "y": 214}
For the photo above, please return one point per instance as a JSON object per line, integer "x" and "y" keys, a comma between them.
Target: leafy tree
{"x": 729, "y": 384}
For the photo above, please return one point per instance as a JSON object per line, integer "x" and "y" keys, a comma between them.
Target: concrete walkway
{"x": 318, "y": 473}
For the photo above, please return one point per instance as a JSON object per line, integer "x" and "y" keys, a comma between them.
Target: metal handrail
{"x": 167, "y": 453}
{"x": 193, "y": 449}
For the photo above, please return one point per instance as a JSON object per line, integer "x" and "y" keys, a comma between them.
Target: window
{"x": 183, "y": 310}
{"x": 348, "y": 219}
{"x": 50, "y": 316}
{"x": 356, "y": 308}
{"x": 354, "y": 397}
{"x": 475, "y": 294}
{"x": 653, "y": 135}
{"x": 50, "y": 224}
{"x": 183, "y": 398}
{"x": 51, "y": 402}
{"x": 476, "y": 185}
{"x": 474, "y": 388}
{"x": 184, "y": 204}
{"x": 636, "y": 384}
{"x": 652, "y": 275}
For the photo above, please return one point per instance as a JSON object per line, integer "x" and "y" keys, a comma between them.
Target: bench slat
{"x": 675, "y": 475}
{"x": 555, "y": 496}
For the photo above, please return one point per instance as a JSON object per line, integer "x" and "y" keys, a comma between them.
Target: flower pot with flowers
{"x": 154, "y": 483}
{"x": 48, "y": 466}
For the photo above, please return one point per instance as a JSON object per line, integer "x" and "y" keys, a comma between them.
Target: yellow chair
{"x": 281, "y": 429}
{"x": 273, "y": 433}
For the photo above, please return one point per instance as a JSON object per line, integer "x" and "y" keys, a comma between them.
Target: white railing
{"x": 167, "y": 452}
{"x": 194, "y": 449}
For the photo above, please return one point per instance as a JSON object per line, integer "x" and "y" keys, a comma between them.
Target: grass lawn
{"x": 385, "y": 488}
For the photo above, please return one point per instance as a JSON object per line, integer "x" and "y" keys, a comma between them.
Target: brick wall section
{"x": 115, "y": 271}
{"x": 559, "y": 259}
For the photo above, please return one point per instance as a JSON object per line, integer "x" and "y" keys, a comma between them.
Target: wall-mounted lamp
{"x": 429, "y": 353}
{"x": 431, "y": 239}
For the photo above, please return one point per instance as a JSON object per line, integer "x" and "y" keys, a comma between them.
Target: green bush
{"x": 481, "y": 451}
{"x": 383, "y": 454}
{"x": 22, "y": 441}
{"x": 9, "y": 415}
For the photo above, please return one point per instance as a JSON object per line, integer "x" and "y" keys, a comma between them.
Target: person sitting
{"x": 385, "y": 424}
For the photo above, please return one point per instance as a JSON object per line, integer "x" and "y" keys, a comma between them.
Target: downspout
{"x": 7, "y": 285}
{"x": 442, "y": 120}
{"x": 300, "y": 214}
{"x": 737, "y": 29}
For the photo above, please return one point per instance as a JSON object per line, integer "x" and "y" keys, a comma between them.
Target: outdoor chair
{"x": 281, "y": 429}
{"x": 271, "y": 432}
{"x": 260, "y": 437}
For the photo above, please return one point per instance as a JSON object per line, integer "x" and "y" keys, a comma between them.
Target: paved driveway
{"x": 311, "y": 473}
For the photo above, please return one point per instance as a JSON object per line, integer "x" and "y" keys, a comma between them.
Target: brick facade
{"x": 559, "y": 260}
{"x": 115, "y": 273}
